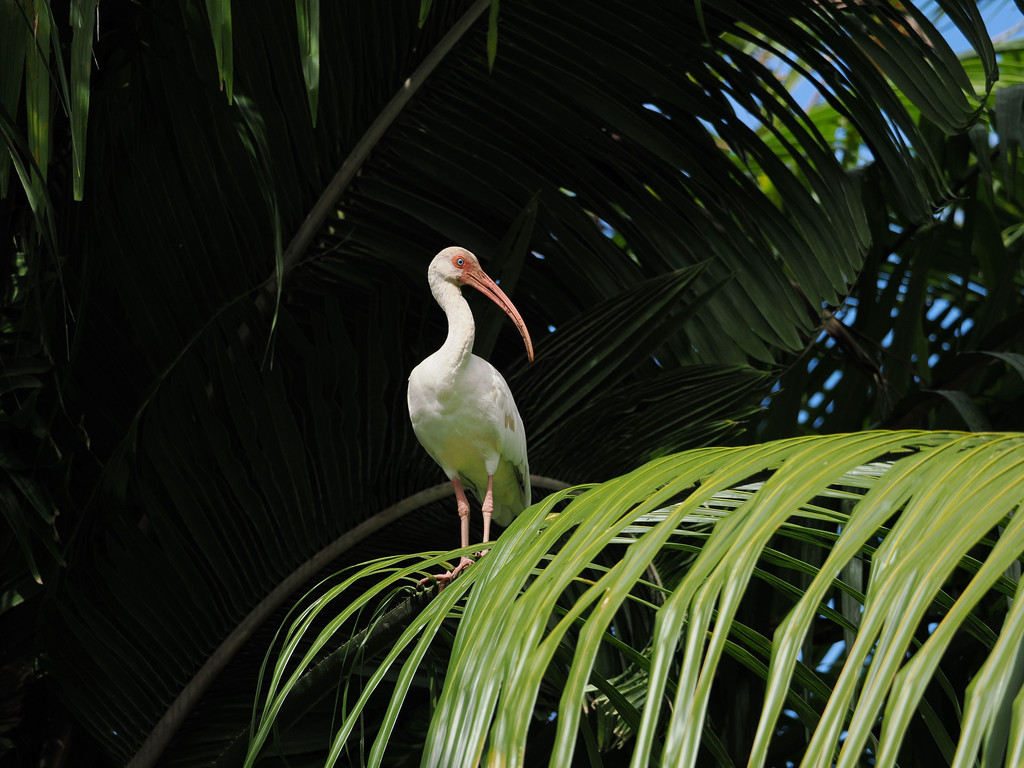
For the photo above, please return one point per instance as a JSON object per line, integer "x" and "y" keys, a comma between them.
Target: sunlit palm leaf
{"x": 914, "y": 505}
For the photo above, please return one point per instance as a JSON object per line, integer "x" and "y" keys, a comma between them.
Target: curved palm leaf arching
{"x": 214, "y": 294}
{"x": 873, "y": 500}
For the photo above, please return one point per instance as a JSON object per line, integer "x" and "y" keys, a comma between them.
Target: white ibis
{"x": 462, "y": 410}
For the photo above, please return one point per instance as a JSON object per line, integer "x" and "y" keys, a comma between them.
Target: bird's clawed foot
{"x": 444, "y": 579}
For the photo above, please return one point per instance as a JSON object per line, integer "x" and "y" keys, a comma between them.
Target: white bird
{"x": 461, "y": 408}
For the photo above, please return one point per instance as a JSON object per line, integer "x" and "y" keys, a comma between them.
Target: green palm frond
{"x": 932, "y": 516}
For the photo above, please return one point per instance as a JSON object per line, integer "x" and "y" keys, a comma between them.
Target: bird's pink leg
{"x": 463, "y": 502}
{"x": 488, "y": 509}
{"x": 463, "y": 505}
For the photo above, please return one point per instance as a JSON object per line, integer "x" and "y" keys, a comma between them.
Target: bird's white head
{"x": 459, "y": 267}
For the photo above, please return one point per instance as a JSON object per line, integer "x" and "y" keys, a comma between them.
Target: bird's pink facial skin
{"x": 470, "y": 273}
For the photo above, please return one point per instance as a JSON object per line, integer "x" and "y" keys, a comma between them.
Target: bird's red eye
{"x": 459, "y": 261}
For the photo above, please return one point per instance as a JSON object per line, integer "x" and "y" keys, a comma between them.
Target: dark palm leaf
{"x": 913, "y": 338}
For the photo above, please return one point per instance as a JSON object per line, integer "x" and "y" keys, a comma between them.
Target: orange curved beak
{"x": 480, "y": 280}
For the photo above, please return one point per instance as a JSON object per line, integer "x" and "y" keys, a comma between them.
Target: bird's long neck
{"x": 461, "y": 329}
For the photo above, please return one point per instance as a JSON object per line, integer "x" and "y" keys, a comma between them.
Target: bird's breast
{"x": 469, "y": 404}
{"x": 459, "y": 401}
{"x": 468, "y": 422}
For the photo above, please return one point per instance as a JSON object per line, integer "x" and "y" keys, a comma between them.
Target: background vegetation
{"x": 725, "y": 222}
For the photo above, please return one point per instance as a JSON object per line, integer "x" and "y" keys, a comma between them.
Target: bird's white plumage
{"x": 461, "y": 408}
{"x": 472, "y": 429}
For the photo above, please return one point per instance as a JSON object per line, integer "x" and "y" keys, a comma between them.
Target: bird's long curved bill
{"x": 483, "y": 283}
